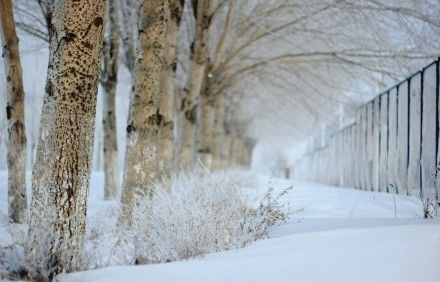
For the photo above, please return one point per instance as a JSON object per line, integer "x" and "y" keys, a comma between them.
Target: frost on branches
{"x": 202, "y": 215}
{"x": 196, "y": 216}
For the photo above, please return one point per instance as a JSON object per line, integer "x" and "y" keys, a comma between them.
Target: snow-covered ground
{"x": 340, "y": 235}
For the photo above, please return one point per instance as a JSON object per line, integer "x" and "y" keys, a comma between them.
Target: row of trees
{"x": 192, "y": 64}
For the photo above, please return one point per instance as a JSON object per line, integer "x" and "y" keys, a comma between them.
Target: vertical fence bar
{"x": 402, "y": 138}
{"x": 356, "y": 154}
{"x": 415, "y": 96}
{"x": 392, "y": 139}
{"x": 437, "y": 131}
{"x": 375, "y": 143}
{"x": 388, "y": 138}
{"x": 364, "y": 149}
{"x": 383, "y": 149}
{"x": 370, "y": 149}
{"x": 429, "y": 120}
{"x": 352, "y": 155}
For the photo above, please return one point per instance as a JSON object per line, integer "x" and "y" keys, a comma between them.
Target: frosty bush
{"x": 429, "y": 198}
{"x": 201, "y": 215}
{"x": 107, "y": 244}
{"x": 12, "y": 243}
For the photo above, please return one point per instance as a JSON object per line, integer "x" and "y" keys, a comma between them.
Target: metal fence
{"x": 393, "y": 143}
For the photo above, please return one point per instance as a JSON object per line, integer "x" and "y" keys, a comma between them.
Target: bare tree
{"x": 199, "y": 57}
{"x": 109, "y": 76}
{"x": 289, "y": 54}
{"x": 166, "y": 137}
{"x": 144, "y": 120}
{"x": 62, "y": 169}
{"x": 17, "y": 200}
{"x": 129, "y": 21}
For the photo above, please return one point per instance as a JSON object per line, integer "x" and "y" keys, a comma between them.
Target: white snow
{"x": 341, "y": 235}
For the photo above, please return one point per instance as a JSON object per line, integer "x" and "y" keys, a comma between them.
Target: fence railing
{"x": 393, "y": 144}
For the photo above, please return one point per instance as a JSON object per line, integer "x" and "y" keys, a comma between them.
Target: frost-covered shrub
{"x": 201, "y": 215}
{"x": 106, "y": 244}
{"x": 429, "y": 198}
{"x": 12, "y": 243}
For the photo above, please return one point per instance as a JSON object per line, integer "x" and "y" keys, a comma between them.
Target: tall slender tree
{"x": 211, "y": 101}
{"x": 109, "y": 77}
{"x": 199, "y": 60}
{"x": 144, "y": 119}
{"x": 62, "y": 170}
{"x": 166, "y": 137}
{"x": 17, "y": 200}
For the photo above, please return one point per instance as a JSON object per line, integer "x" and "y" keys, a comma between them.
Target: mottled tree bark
{"x": 210, "y": 97}
{"x": 199, "y": 56}
{"x": 144, "y": 119}
{"x": 166, "y": 136}
{"x": 17, "y": 200}
{"x": 109, "y": 81}
{"x": 62, "y": 169}
{"x": 129, "y": 21}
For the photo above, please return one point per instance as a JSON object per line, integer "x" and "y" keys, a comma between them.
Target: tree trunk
{"x": 166, "y": 137}
{"x": 189, "y": 108}
{"x": 109, "y": 81}
{"x": 238, "y": 151}
{"x": 17, "y": 200}
{"x": 62, "y": 169}
{"x": 178, "y": 125}
{"x": 211, "y": 100}
{"x": 248, "y": 148}
{"x": 206, "y": 124}
{"x": 218, "y": 132}
{"x": 230, "y": 154}
{"x": 190, "y": 101}
{"x": 130, "y": 18}
{"x": 144, "y": 119}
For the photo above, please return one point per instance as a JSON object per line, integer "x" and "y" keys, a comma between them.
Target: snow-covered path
{"x": 401, "y": 253}
{"x": 342, "y": 235}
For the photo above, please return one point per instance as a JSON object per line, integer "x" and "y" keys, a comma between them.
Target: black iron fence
{"x": 393, "y": 144}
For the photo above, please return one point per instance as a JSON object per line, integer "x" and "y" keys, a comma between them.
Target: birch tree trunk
{"x": 190, "y": 101}
{"x": 225, "y": 156}
{"x": 62, "y": 169}
{"x": 206, "y": 123}
{"x": 166, "y": 137}
{"x": 109, "y": 81}
{"x": 211, "y": 100}
{"x": 231, "y": 144}
{"x": 16, "y": 157}
{"x": 144, "y": 119}
{"x": 129, "y": 21}
{"x": 218, "y": 132}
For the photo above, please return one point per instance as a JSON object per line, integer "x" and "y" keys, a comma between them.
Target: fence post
{"x": 415, "y": 104}
{"x": 392, "y": 139}
{"x": 383, "y": 144}
{"x": 429, "y": 121}
{"x": 376, "y": 144}
{"x": 402, "y": 138}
